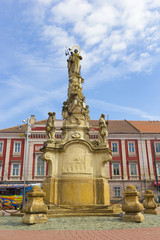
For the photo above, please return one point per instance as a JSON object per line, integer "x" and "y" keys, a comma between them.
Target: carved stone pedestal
{"x": 35, "y": 210}
{"x": 132, "y": 207}
{"x": 77, "y": 191}
{"x": 149, "y": 203}
{"x": 76, "y": 174}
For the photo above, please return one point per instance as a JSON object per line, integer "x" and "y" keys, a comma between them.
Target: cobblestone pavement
{"x": 79, "y": 223}
{"x": 80, "y": 228}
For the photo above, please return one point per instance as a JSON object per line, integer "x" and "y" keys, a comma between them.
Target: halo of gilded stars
{"x": 76, "y": 47}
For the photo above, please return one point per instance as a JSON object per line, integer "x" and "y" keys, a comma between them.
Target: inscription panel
{"x": 77, "y": 159}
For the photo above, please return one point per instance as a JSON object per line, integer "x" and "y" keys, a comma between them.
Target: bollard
{"x": 149, "y": 203}
{"x": 35, "y": 210}
{"x": 132, "y": 207}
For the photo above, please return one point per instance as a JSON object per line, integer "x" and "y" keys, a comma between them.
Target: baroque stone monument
{"x": 75, "y": 164}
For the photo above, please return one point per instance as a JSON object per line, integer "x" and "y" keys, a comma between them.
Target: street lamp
{"x": 27, "y": 120}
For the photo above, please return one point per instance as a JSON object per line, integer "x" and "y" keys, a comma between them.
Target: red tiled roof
{"x": 17, "y": 129}
{"x": 147, "y": 126}
{"x": 115, "y": 126}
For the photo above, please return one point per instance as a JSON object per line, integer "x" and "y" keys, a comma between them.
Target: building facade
{"x": 135, "y": 154}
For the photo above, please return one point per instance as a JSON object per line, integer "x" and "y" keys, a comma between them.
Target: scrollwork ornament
{"x": 76, "y": 135}
{"x": 48, "y": 156}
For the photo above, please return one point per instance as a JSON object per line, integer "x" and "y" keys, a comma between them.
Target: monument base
{"x": 97, "y": 210}
{"x": 76, "y": 191}
{"x": 78, "y": 197}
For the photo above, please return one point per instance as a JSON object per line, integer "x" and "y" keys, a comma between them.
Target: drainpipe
{"x": 145, "y": 186}
{"x": 155, "y": 166}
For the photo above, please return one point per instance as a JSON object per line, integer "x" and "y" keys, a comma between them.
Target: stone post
{"x": 149, "y": 203}
{"x": 132, "y": 207}
{"x": 35, "y": 210}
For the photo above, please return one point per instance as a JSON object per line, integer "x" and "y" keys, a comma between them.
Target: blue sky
{"x": 120, "y": 46}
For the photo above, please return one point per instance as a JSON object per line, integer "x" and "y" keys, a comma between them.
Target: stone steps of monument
{"x": 52, "y": 215}
{"x": 84, "y": 208}
{"x": 81, "y": 211}
{"x": 98, "y": 210}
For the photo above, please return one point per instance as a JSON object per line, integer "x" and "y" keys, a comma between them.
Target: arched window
{"x": 40, "y": 167}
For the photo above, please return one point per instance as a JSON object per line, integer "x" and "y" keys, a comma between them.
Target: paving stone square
{"x": 80, "y": 228}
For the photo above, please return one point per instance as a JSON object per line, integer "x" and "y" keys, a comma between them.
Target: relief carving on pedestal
{"x": 77, "y": 160}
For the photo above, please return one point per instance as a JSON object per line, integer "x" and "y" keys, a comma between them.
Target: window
{"x": 138, "y": 189}
{"x": 0, "y": 168}
{"x": 116, "y": 169}
{"x": 115, "y": 147}
{"x": 131, "y": 148}
{"x": 15, "y": 169}
{"x": 17, "y": 147}
{"x": 158, "y": 169}
{"x": 117, "y": 191}
{"x": 40, "y": 167}
{"x": 133, "y": 169}
{"x": 157, "y": 148}
{"x": 91, "y": 136}
{"x": 1, "y": 147}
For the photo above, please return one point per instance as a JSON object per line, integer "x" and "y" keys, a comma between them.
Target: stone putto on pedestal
{"x": 35, "y": 210}
{"x": 132, "y": 207}
{"x": 149, "y": 203}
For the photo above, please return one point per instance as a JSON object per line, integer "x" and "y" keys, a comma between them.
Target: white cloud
{"x": 45, "y": 2}
{"x": 57, "y": 36}
{"x": 114, "y": 31}
{"x": 35, "y": 101}
{"x": 70, "y": 11}
{"x": 119, "y": 47}
{"x": 117, "y": 38}
{"x": 110, "y": 107}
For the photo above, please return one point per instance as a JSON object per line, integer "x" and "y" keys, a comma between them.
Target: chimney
{"x": 32, "y": 119}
